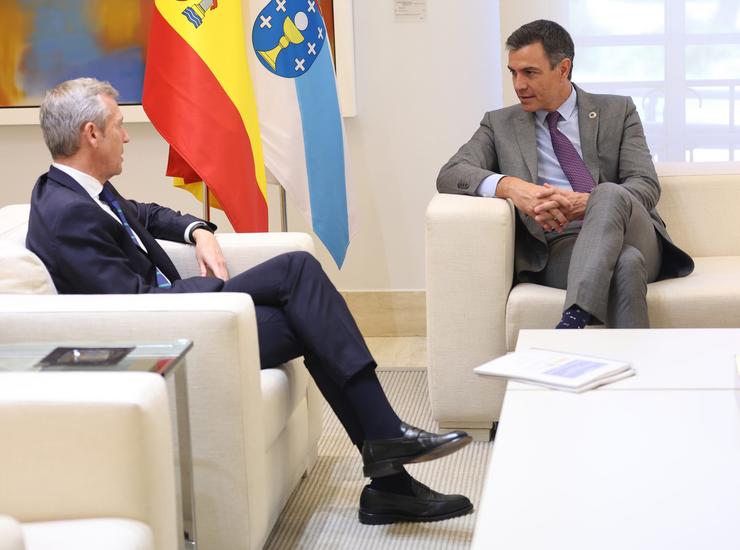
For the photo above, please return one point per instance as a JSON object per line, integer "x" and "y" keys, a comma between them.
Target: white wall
{"x": 422, "y": 89}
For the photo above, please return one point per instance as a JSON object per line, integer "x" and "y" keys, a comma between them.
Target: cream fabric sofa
{"x": 87, "y": 462}
{"x": 254, "y": 433}
{"x": 474, "y": 314}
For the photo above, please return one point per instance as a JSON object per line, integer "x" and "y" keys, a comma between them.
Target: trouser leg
{"x": 278, "y": 344}
{"x": 627, "y": 306}
{"x": 314, "y": 310}
{"x": 560, "y": 250}
{"x": 613, "y": 219}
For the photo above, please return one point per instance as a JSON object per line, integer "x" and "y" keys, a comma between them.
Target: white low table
{"x": 650, "y": 462}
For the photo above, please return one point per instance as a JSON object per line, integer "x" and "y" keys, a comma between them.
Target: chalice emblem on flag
{"x": 288, "y": 36}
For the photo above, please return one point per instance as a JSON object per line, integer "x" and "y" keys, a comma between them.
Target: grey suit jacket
{"x": 614, "y": 149}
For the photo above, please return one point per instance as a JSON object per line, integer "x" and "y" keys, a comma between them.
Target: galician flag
{"x": 198, "y": 94}
{"x": 300, "y": 122}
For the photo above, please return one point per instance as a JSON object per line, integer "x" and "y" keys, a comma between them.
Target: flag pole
{"x": 206, "y": 203}
{"x": 283, "y": 211}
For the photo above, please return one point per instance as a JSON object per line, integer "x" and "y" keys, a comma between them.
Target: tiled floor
{"x": 409, "y": 353}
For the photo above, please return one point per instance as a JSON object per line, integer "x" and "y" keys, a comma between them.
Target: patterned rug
{"x": 322, "y": 512}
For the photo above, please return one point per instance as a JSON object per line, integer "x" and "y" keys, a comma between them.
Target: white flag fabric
{"x": 300, "y": 122}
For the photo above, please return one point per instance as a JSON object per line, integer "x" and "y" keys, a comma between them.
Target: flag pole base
{"x": 206, "y": 203}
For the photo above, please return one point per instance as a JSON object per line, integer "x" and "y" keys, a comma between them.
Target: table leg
{"x": 186, "y": 460}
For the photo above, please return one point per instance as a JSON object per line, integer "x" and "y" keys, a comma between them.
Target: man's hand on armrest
{"x": 209, "y": 255}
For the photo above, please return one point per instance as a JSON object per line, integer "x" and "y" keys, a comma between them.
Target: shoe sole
{"x": 369, "y": 518}
{"x": 389, "y": 467}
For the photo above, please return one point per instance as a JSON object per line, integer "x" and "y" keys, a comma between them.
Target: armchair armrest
{"x": 469, "y": 273}
{"x": 241, "y": 250}
{"x": 84, "y": 445}
{"x": 11, "y": 534}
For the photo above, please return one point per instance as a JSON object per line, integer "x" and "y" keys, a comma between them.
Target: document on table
{"x": 556, "y": 369}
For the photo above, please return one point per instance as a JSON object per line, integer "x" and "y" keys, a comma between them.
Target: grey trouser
{"x": 606, "y": 265}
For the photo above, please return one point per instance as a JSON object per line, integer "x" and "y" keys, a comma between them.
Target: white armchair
{"x": 474, "y": 314}
{"x": 11, "y": 534}
{"x": 254, "y": 433}
{"x": 87, "y": 462}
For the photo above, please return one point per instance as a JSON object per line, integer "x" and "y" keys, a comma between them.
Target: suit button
{"x": 463, "y": 185}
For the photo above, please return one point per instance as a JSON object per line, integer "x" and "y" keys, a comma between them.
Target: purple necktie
{"x": 570, "y": 161}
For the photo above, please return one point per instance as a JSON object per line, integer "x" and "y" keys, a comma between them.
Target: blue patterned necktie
{"x": 109, "y": 198}
{"x": 570, "y": 161}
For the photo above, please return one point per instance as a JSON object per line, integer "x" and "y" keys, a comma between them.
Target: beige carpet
{"x": 322, "y": 513}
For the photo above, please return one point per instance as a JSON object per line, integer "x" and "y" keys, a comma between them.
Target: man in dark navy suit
{"x": 94, "y": 241}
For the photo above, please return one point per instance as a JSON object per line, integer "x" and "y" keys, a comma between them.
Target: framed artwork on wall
{"x": 45, "y": 42}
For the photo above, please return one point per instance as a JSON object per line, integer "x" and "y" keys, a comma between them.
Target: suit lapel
{"x": 588, "y": 126}
{"x": 527, "y": 139}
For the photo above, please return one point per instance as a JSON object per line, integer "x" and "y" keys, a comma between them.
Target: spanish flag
{"x": 198, "y": 95}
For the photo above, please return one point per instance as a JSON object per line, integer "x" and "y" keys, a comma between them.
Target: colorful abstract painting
{"x": 44, "y": 42}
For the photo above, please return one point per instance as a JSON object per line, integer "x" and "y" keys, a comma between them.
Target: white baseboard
{"x": 395, "y": 313}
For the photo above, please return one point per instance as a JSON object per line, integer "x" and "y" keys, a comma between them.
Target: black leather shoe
{"x": 384, "y": 457}
{"x": 379, "y": 508}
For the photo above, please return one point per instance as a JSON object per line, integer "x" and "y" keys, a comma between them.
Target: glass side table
{"x": 166, "y": 358}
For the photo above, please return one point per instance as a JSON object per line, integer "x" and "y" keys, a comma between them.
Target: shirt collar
{"x": 566, "y": 110}
{"x": 90, "y": 184}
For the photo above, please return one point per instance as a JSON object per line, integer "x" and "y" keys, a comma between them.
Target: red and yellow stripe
{"x": 198, "y": 94}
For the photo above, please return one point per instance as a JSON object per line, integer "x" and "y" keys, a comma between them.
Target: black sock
{"x": 574, "y": 317}
{"x": 399, "y": 483}
{"x": 366, "y": 395}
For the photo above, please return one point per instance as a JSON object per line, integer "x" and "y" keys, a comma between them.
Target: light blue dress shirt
{"x": 548, "y": 167}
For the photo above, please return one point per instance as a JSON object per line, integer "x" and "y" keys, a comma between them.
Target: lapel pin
{"x": 592, "y": 114}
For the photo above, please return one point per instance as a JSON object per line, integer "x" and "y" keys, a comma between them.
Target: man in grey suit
{"x": 578, "y": 170}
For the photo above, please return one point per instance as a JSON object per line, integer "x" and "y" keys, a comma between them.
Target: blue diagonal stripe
{"x": 324, "y": 146}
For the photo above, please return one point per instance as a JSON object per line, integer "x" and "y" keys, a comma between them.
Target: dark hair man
{"x": 94, "y": 241}
{"x": 578, "y": 170}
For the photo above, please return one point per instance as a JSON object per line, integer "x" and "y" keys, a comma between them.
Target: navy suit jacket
{"x": 88, "y": 252}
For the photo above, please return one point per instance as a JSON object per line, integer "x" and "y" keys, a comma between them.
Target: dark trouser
{"x": 606, "y": 266}
{"x": 299, "y": 312}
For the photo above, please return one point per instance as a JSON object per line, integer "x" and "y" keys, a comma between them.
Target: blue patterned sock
{"x": 574, "y": 317}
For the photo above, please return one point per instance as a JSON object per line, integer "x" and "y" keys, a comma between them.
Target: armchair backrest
{"x": 21, "y": 271}
{"x": 699, "y": 204}
{"x": 14, "y": 222}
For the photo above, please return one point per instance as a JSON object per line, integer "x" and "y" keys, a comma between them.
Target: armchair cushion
{"x": 21, "y": 272}
{"x": 708, "y": 298}
{"x": 88, "y": 534}
{"x": 283, "y": 390}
